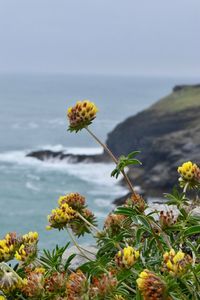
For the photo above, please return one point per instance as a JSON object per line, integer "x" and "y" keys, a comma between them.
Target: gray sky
{"x": 100, "y": 36}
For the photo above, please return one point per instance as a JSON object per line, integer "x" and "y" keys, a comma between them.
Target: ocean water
{"x": 33, "y": 116}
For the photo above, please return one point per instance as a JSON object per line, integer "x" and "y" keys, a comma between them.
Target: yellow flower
{"x": 61, "y": 216}
{"x": 81, "y": 115}
{"x": 30, "y": 238}
{"x": 187, "y": 170}
{"x": 127, "y": 257}
{"x": 2, "y": 298}
{"x": 176, "y": 263}
{"x": 151, "y": 286}
{"x": 74, "y": 200}
{"x": 8, "y": 246}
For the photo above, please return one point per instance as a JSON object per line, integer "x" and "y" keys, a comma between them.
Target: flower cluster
{"x": 74, "y": 200}
{"x": 176, "y": 263}
{"x": 35, "y": 283}
{"x": 28, "y": 249}
{"x": 22, "y": 247}
{"x": 71, "y": 212}
{"x": 114, "y": 223}
{"x": 137, "y": 201}
{"x": 190, "y": 174}
{"x": 81, "y": 115}
{"x": 77, "y": 286}
{"x": 8, "y": 246}
{"x": 127, "y": 257}
{"x": 61, "y": 216}
{"x": 151, "y": 286}
{"x": 167, "y": 219}
{"x": 103, "y": 287}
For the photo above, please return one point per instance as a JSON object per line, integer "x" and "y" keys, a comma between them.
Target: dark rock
{"x": 45, "y": 155}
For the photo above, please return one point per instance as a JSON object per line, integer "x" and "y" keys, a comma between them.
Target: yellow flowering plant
{"x": 141, "y": 255}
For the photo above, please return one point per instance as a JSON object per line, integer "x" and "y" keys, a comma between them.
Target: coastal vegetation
{"x": 141, "y": 253}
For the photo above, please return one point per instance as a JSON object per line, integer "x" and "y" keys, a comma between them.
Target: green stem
{"x": 77, "y": 245}
{"x": 87, "y": 222}
{"x": 185, "y": 188}
{"x": 113, "y": 158}
{"x": 129, "y": 288}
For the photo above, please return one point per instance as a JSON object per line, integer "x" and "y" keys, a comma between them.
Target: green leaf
{"x": 144, "y": 221}
{"x": 192, "y": 230}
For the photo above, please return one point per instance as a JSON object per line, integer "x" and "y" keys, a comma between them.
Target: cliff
{"x": 168, "y": 133}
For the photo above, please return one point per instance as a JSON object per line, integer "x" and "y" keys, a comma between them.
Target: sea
{"x": 33, "y": 117}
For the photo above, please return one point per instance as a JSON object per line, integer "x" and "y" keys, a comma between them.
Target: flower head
{"x": 167, "y": 219}
{"x": 190, "y": 174}
{"x": 103, "y": 286}
{"x": 8, "y": 246}
{"x": 77, "y": 286}
{"x": 74, "y": 200}
{"x": 35, "y": 283}
{"x": 113, "y": 223}
{"x": 81, "y": 115}
{"x": 151, "y": 286}
{"x": 127, "y": 257}
{"x": 61, "y": 216}
{"x": 55, "y": 282}
{"x": 176, "y": 263}
{"x": 28, "y": 248}
{"x": 137, "y": 201}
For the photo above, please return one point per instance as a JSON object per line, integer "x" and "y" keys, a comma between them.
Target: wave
{"x": 72, "y": 150}
{"x": 98, "y": 173}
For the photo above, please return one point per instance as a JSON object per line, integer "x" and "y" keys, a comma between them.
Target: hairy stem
{"x": 88, "y": 223}
{"x": 113, "y": 158}
{"x": 77, "y": 245}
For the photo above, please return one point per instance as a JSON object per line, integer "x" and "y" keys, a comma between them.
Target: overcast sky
{"x": 100, "y": 36}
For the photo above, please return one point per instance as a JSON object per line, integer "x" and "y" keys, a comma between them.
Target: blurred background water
{"x": 33, "y": 116}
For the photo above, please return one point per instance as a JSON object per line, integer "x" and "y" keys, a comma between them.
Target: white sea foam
{"x": 72, "y": 150}
{"x": 98, "y": 173}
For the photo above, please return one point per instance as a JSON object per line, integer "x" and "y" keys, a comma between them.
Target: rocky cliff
{"x": 167, "y": 134}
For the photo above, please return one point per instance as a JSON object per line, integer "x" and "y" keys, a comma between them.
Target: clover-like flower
{"x": 103, "y": 287}
{"x": 74, "y": 200}
{"x": 8, "y": 246}
{"x": 136, "y": 200}
{"x": 61, "y": 216}
{"x": 127, "y": 257}
{"x": 28, "y": 248}
{"x": 113, "y": 223}
{"x": 176, "y": 263}
{"x": 77, "y": 286}
{"x": 81, "y": 115}
{"x": 167, "y": 219}
{"x": 72, "y": 213}
{"x": 34, "y": 287}
{"x": 151, "y": 286}
{"x": 190, "y": 175}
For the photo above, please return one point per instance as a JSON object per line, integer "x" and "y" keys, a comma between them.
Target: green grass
{"x": 188, "y": 97}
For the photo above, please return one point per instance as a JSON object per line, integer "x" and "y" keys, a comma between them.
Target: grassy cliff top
{"x": 182, "y": 97}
